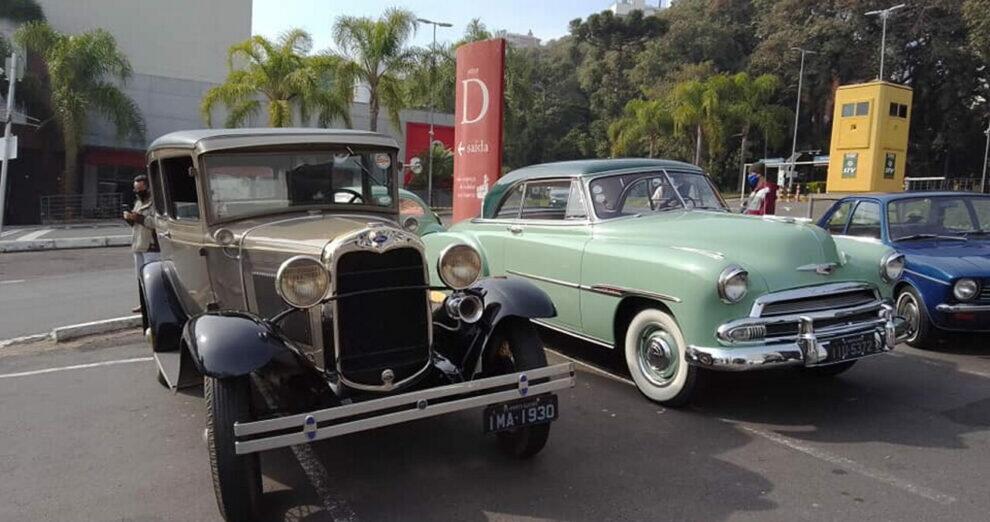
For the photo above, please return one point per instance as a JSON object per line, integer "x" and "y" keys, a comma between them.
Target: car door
{"x": 181, "y": 230}
{"x": 546, "y": 242}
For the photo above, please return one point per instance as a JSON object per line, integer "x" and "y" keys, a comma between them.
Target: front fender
{"x": 161, "y": 311}
{"x": 515, "y": 298}
{"x": 230, "y": 344}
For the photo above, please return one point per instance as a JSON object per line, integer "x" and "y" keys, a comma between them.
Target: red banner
{"x": 478, "y": 124}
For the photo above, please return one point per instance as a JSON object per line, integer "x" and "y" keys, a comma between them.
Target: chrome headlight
{"x": 733, "y": 283}
{"x": 302, "y": 281}
{"x": 459, "y": 266}
{"x": 411, "y": 224}
{"x": 891, "y": 267}
{"x": 965, "y": 289}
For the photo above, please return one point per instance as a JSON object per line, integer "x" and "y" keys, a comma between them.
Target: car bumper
{"x": 350, "y": 418}
{"x": 809, "y": 349}
{"x": 962, "y": 308}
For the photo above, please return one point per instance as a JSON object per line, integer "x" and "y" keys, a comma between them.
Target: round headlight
{"x": 411, "y": 224}
{"x": 459, "y": 266}
{"x": 302, "y": 281}
{"x": 891, "y": 267}
{"x": 965, "y": 289}
{"x": 733, "y": 283}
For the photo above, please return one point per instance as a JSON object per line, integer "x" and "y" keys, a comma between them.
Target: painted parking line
{"x": 75, "y": 367}
{"x": 6, "y": 233}
{"x": 11, "y": 281}
{"x": 34, "y": 235}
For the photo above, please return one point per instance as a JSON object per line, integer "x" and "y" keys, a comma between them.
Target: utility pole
{"x": 884, "y": 14}
{"x": 433, "y": 74}
{"x": 986, "y": 152}
{"x": 11, "y": 85}
{"x": 797, "y": 112}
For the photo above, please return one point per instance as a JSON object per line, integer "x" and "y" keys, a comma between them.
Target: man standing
{"x": 144, "y": 242}
{"x": 763, "y": 200}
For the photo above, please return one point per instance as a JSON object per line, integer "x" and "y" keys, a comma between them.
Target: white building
{"x": 522, "y": 40}
{"x": 624, "y": 7}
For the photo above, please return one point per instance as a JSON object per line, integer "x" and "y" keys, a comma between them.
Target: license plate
{"x": 520, "y": 413}
{"x": 852, "y": 347}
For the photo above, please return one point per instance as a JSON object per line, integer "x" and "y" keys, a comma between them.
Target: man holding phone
{"x": 144, "y": 242}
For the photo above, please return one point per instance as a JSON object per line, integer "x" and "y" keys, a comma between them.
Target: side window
{"x": 865, "y": 220}
{"x": 511, "y": 203}
{"x": 863, "y": 109}
{"x": 546, "y": 200}
{"x": 157, "y": 194}
{"x": 982, "y": 208}
{"x": 180, "y": 188}
{"x": 837, "y": 223}
{"x": 576, "y": 208}
{"x": 848, "y": 109}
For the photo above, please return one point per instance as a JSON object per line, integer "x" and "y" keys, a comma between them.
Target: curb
{"x": 64, "y": 243}
{"x": 62, "y": 334}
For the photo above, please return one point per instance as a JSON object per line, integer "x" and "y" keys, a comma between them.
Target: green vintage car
{"x": 643, "y": 255}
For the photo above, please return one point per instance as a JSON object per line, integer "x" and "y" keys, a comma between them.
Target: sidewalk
{"x": 57, "y": 237}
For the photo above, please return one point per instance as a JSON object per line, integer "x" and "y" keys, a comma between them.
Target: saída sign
{"x": 477, "y": 124}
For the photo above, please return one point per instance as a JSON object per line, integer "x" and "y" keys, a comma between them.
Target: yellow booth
{"x": 869, "y": 137}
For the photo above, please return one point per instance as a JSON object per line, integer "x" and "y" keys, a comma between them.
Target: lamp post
{"x": 433, "y": 66}
{"x": 797, "y": 110}
{"x": 884, "y": 14}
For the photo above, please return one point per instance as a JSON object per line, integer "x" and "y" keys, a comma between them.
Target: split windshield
{"x": 629, "y": 194}
{"x": 250, "y": 184}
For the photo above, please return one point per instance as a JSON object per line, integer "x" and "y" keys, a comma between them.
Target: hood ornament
{"x": 819, "y": 268}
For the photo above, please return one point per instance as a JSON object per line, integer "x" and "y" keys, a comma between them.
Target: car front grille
{"x": 818, "y": 303}
{"x": 985, "y": 291}
{"x": 382, "y": 318}
{"x": 838, "y": 307}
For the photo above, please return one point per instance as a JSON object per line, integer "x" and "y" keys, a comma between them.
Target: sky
{"x": 547, "y": 19}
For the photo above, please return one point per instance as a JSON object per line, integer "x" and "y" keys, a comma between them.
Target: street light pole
{"x": 884, "y": 14}
{"x": 433, "y": 73}
{"x": 797, "y": 110}
{"x": 11, "y": 84}
{"x": 986, "y": 152}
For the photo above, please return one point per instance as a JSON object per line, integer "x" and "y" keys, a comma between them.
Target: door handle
{"x": 515, "y": 229}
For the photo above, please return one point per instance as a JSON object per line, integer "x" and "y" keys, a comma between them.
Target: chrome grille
{"x": 818, "y": 303}
{"x": 985, "y": 291}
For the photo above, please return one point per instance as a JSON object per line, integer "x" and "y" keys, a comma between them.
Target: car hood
{"x": 948, "y": 259}
{"x": 772, "y": 249}
{"x": 301, "y": 235}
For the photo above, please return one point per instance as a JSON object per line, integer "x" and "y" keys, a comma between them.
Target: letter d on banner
{"x": 478, "y": 127}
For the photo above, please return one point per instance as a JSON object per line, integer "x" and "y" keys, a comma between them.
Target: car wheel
{"x": 515, "y": 346}
{"x": 920, "y": 331}
{"x": 830, "y": 370}
{"x": 236, "y": 478}
{"x": 655, "y": 353}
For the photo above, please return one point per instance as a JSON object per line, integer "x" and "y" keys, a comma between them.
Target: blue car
{"x": 945, "y": 238}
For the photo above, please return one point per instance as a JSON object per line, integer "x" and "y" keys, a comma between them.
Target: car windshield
{"x": 940, "y": 216}
{"x": 630, "y": 194}
{"x": 248, "y": 184}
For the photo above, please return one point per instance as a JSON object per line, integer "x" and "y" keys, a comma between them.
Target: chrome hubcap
{"x": 658, "y": 357}
{"x": 907, "y": 308}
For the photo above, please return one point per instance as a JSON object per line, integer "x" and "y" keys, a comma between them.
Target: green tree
{"x": 21, "y": 11}
{"x": 283, "y": 77}
{"x": 692, "y": 107}
{"x": 644, "y": 123}
{"x": 84, "y": 72}
{"x": 376, "y": 53}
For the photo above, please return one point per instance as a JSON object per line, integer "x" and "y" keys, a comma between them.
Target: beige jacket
{"x": 142, "y": 234}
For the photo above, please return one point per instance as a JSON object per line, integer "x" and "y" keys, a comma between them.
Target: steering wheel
{"x": 694, "y": 202}
{"x": 355, "y": 196}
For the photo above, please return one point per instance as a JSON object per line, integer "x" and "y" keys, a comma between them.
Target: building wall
{"x": 186, "y": 39}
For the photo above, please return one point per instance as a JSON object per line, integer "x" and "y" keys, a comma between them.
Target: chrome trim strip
{"x": 930, "y": 278}
{"x": 561, "y": 376}
{"x": 543, "y": 279}
{"x": 572, "y": 333}
{"x": 620, "y": 291}
{"x": 722, "y": 333}
{"x": 809, "y": 292}
{"x": 963, "y": 307}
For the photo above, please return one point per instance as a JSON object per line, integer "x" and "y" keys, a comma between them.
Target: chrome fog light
{"x": 965, "y": 289}
{"x": 755, "y": 332}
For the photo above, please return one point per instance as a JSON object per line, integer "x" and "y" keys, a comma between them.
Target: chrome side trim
{"x": 930, "y": 278}
{"x": 543, "y": 279}
{"x": 945, "y": 307}
{"x": 808, "y": 292}
{"x": 572, "y": 333}
{"x": 415, "y": 405}
{"x": 620, "y": 291}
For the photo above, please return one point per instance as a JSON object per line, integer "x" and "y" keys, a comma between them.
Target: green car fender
{"x": 861, "y": 258}
{"x": 436, "y": 243}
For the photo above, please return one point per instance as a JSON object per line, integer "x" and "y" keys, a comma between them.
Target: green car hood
{"x": 771, "y": 249}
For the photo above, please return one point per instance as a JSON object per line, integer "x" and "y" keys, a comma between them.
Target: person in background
{"x": 763, "y": 201}
{"x": 144, "y": 242}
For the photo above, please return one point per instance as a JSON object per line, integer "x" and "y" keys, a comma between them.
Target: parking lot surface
{"x": 86, "y": 433}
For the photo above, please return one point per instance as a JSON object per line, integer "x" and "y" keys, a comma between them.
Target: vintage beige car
{"x": 286, "y": 276}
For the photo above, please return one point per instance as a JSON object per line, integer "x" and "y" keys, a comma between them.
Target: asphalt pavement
{"x": 86, "y": 433}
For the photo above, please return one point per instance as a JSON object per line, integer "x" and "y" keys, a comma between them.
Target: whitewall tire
{"x": 656, "y": 355}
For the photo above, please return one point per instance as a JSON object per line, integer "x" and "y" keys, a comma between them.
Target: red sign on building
{"x": 418, "y": 140}
{"x": 478, "y": 124}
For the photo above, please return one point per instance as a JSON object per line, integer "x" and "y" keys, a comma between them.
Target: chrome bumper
{"x": 306, "y": 427}
{"x": 962, "y": 307}
{"x": 808, "y": 348}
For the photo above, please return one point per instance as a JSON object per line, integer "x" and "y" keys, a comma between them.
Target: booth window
{"x": 848, "y": 109}
{"x": 862, "y": 108}
{"x": 898, "y": 110}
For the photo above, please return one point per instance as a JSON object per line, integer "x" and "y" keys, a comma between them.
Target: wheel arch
{"x": 627, "y": 309}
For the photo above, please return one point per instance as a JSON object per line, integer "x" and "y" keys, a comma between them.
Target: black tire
{"x": 921, "y": 332}
{"x": 516, "y": 346}
{"x": 660, "y": 369}
{"x": 236, "y": 478}
{"x": 830, "y": 370}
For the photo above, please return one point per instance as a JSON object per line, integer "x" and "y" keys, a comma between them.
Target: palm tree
{"x": 691, "y": 108}
{"x": 286, "y": 77}
{"x": 83, "y": 71}
{"x": 643, "y": 122}
{"x": 375, "y": 53}
{"x": 747, "y": 103}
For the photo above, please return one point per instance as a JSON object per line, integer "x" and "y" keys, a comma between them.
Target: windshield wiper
{"x": 931, "y": 236}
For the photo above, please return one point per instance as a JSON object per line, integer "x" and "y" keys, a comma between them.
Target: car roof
{"x": 205, "y": 140}
{"x": 894, "y": 196}
{"x": 578, "y": 168}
